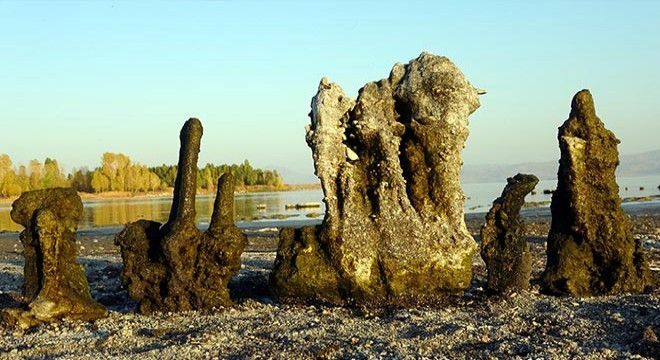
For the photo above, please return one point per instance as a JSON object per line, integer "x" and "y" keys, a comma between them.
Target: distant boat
{"x": 303, "y": 205}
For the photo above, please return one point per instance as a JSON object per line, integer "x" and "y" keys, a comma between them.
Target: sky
{"x": 81, "y": 78}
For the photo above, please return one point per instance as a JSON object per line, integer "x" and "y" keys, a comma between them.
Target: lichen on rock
{"x": 504, "y": 245}
{"x": 55, "y": 285}
{"x": 591, "y": 250}
{"x": 389, "y": 166}
{"x": 175, "y": 266}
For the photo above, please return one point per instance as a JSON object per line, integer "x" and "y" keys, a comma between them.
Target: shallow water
{"x": 269, "y": 208}
{"x": 481, "y": 195}
{"x": 249, "y": 207}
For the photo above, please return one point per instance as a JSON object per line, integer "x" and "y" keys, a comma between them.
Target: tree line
{"x": 118, "y": 173}
{"x": 207, "y": 177}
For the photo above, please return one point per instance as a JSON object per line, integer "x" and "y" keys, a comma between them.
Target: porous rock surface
{"x": 389, "y": 167}
{"x": 54, "y": 285}
{"x": 504, "y": 246}
{"x": 175, "y": 266}
{"x": 591, "y": 249}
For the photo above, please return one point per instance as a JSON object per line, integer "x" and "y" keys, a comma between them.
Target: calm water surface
{"x": 250, "y": 211}
{"x": 248, "y": 207}
{"x": 480, "y": 196}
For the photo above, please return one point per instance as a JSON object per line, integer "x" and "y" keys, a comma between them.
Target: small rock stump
{"x": 55, "y": 286}
{"x": 504, "y": 246}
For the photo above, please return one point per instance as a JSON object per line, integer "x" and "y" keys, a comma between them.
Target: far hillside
{"x": 642, "y": 164}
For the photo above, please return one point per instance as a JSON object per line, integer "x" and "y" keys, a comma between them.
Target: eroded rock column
{"x": 591, "y": 250}
{"x": 55, "y": 286}
{"x": 389, "y": 166}
{"x": 504, "y": 245}
{"x": 175, "y": 266}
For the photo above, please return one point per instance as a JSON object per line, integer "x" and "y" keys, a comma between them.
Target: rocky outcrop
{"x": 504, "y": 246}
{"x": 55, "y": 286}
{"x": 175, "y": 266}
{"x": 389, "y": 166}
{"x": 591, "y": 250}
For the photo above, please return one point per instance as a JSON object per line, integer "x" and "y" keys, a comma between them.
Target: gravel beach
{"x": 473, "y": 325}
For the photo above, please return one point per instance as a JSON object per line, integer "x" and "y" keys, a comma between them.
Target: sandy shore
{"x": 475, "y": 325}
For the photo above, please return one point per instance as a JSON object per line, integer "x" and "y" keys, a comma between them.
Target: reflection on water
{"x": 247, "y": 206}
{"x": 271, "y": 205}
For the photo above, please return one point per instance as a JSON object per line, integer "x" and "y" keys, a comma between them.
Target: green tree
{"x": 154, "y": 182}
{"x": 207, "y": 177}
{"x": 5, "y": 165}
{"x": 36, "y": 174}
{"x": 100, "y": 181}
{"x": 53, "y": 176}
{"x": 81, "y": 180}
{"x": 114, "y": 167}
{"x": 5, "y": 170}
{"x": 166, "y": 173}
{"x": 249, "y": 175}
{"x": 120, "y": 174}
{"x": 23, "y": 179}
{"x": 138, "y": 178}
{"x": 8, "y": 184}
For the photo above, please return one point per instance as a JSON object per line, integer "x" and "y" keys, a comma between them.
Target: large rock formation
{"x": 55, "y": 286}
{"x": 389, "y": 166}
{"x": 175, "y": 266}
{"x": 591, "y": 250}
{"x": 504, "y": 246}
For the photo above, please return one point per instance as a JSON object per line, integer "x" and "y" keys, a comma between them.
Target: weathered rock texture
{"x": 504, "y": 246}
{"x": 591, "y": 250}
{"x": 54, "y": 285}
{"x": 175, "y": 266}
{"x": 389, "y": 166}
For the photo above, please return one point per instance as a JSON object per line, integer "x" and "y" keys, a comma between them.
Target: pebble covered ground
{"x": 526, "y": 325}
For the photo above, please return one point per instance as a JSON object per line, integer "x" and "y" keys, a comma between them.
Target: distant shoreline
{"x": 164, "y": 193}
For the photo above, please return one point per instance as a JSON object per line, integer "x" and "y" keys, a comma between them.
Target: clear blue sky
{"x": 81, "y": 78}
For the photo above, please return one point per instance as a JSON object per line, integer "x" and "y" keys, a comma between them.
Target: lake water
{"x": 257, "y": 209}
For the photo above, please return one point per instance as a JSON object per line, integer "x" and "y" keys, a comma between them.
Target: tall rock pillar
{"x": 591, "y": 250}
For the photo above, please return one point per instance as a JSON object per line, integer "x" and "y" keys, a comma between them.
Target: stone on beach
{"x": 591, "y": 249}
{"x": 55, "y": 286}
{"x": 504, "y": 245}
{"x": 175, "y": 266}
{"x": 389, "y": 167}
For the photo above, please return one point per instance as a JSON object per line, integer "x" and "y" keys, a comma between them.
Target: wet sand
{"x": 475, "y": 325}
